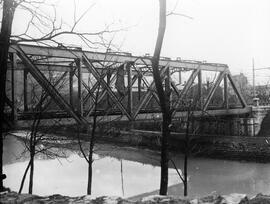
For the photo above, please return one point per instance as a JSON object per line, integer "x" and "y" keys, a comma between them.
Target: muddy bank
{"x": 245, "y": 148}
{"x": 255, "y": 149}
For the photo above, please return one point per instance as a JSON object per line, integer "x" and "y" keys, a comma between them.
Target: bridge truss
{"x": 69, "y": 82}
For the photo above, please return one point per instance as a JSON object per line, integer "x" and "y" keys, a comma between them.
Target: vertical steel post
{"x": 25, "y": 88}
{"x": 130, "y": 97}
{"x": 253, "y": 77}
{"x": 13, "y": 110}
{"x": 179, "y": 77}
{"x": 139, "y": 86}
{"x": 200, "y": 98}
{"x": 168, "y": 86}
{"x": 108, "y": 83}
{"x": 253, "y": 124}
{"x": 71, "y": 73}
{"x": 80, "y": 99}
{"x": 226, "y": 103}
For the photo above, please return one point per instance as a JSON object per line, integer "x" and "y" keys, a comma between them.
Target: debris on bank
{"x": 13, "y": 197}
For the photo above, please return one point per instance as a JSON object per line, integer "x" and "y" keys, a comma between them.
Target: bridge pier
{"x": 261, "y": 115}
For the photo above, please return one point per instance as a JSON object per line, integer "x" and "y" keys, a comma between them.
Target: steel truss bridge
{"x": 70, "y": 82}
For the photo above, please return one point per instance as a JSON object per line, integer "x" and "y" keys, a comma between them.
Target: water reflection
{"x": 68, "y": 176}
{"x": 140, "y": 170}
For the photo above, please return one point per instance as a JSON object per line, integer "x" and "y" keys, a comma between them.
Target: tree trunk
{"x": 90, "y": 157}
{"x": 164, "y": 155}
{"x": 122, "y": 178}
{"x": 32, "y": 155}
{"x": 31, "y": 176}
{"x": 163, "y": 99}
{"x": 187, "y": 141}
{"x": 92, "y": 144}
{"x": 7, "y": 18}
{"x": 89, "y": 184}
{"x": 90, "y": 172}
{"x": 24, "y": 176}
{"x": 185, "y": 175}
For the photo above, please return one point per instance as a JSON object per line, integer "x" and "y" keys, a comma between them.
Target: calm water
{"x": 140, "y": 173}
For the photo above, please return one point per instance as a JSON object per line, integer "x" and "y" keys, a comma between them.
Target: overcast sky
{"x": 221, "y": 31}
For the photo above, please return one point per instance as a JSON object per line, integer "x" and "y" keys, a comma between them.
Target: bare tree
{"x": 49, "y": 30}
{"x": 164, "y": 99}
{"x": 91, "y": 132}
{"x": 37, "y": 136}
{"x": 7, "y": 19}
{"x": 34, "y": 138}
{"x": 37, "y": 142}
{"x": 92, "y": 141}
{"x": 187, "y": 106}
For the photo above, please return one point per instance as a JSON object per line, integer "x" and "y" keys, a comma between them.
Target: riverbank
{"x": 148, "y": 135}
{"x": 239, "y": 148}
{"x": 236, "y": 148}
{"x": 13, "y": 197}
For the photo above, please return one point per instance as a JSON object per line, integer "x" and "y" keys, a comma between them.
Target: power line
{"x": 262, "y": 68}
{"x": 253, "y": 81}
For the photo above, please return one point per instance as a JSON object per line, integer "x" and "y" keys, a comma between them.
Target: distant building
{"x": 241, "y": 81}
{"x": 243, "y": 86}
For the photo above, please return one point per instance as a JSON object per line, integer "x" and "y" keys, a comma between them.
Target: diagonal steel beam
{"x": 175, "y": 88}
{"x": 185, "y": 89}
{"x": 149, "y": 91}
{"x": 105, "y": 91}
{"x": 103, "y": 94}
{"x": 213, "y": 89}
{"x": 106, "y": 86}
{"x": 239, "y": 95}
{"x": 134, "y": 78}
{"x": 91, "y": 91}
{"x": 10, "y": 104}
{"x": 56, "y": 84}
{"x": 47, "y": 86}
{"x": 154, "y": 94}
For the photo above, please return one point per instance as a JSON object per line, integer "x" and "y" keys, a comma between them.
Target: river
{"x": 129, "y": 172}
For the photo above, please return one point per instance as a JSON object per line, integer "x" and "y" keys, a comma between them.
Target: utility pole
{"x": 253, "y": 78}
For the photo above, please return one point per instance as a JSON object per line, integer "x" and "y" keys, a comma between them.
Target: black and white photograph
{"x": 135, "y": 101}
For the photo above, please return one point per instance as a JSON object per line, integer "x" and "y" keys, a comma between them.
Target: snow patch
{"x": 111, "y": 200}
{"x": 234, "y": 198}
{"x": 153, "y": 198}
